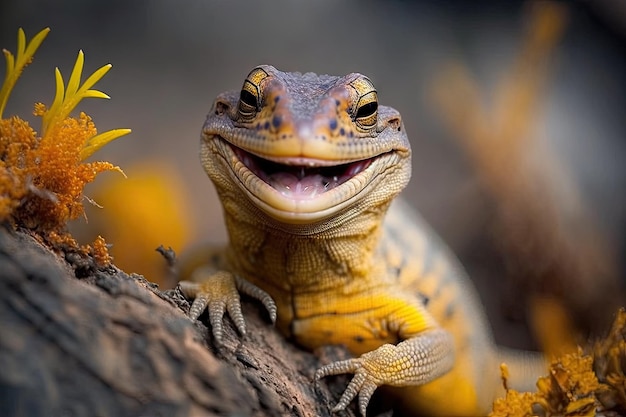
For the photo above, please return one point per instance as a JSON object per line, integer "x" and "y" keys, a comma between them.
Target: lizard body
{"x": 306, "y": 168}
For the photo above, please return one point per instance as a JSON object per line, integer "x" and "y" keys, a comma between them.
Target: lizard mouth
{"x": 301, "y": 189}
{"x": 300, "y": 182}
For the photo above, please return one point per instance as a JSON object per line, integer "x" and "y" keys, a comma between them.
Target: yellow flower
{"x": 42, "y": 176}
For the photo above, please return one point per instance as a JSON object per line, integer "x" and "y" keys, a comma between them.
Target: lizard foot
{"x": 218, "y": 293}
{"x": 362, "y": 384}
{"x": 414, "y": 361}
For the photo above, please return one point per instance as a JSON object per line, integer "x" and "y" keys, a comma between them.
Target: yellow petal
{"x": 77, "y": 71}
{"x": 21, "y": 43}
{"x": 98, "y": 141}
{"x": 95, "y": 77}
{"x": 49, "y": 116}
{"x": 65, "y": 100}
{"x": 95, "y": 94}
{"x": 34, "y": 43}
{"x": 15, "y": 64}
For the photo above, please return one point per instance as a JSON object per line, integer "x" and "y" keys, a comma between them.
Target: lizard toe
{"x": 217, "y": 293}
{"x": 255, "y": 292}
{"x": 198, "y": 306}
{"x": 362, "y": 384}
{"x": 367, "y": 390}
{"x": 233, "y": 307}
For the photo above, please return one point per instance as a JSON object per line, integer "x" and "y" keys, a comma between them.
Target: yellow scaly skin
{"x": 320, "y": 253}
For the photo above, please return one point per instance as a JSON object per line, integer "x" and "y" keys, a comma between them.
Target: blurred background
{"x": 516, "y": 113}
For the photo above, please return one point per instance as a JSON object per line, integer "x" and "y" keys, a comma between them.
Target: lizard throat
{"x": 300, "y": 182}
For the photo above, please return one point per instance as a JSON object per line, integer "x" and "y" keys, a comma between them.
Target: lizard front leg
{"x": 423, "y": 355}
{"x": 218, "y": 293}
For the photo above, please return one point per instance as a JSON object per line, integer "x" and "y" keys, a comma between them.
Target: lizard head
{"x": 303, "y": 148}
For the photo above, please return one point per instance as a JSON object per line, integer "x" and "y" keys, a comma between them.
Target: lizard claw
{"x": 362, "y": 384}
{"x": 218, "y": 293}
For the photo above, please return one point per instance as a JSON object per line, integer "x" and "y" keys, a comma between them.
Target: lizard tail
{"x": 525, "y": 368}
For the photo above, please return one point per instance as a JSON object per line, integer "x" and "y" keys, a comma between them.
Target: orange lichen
{"x": 42, "y": 176}
{"x": 515, "y": 404}
{"x": 610, "y": 364}
{"x": 578, "y": 384}
{"x": 100, "y": 251}
{"x": 17, "y": 140}
{"x": 50, "y": 177}
{"x": 571, "y": 386}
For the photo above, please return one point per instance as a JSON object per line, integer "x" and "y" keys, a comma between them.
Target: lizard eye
{"x": 248, "y": 101}
{"x": 367, "y": 111}
{"x": 250, "y": 96}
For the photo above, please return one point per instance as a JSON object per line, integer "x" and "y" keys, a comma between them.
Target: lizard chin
{"x": 302, "y": 190}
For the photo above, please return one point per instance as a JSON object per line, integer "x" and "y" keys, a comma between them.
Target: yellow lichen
{"x": 42, "y": 175}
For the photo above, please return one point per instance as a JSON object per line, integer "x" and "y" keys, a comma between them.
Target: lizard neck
{"x": 336, "y": 253}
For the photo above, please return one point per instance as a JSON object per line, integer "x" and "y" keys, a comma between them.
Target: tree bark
{"x": 79, "y": 340}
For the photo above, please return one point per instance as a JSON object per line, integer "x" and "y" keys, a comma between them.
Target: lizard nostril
{"x": 395, "y": 124}
{"x": 221, "y": 108}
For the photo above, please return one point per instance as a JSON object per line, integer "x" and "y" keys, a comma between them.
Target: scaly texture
{"x": 306, "y": 167}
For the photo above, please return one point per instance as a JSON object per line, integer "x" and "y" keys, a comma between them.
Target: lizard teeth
{"x": 297, "y": 181}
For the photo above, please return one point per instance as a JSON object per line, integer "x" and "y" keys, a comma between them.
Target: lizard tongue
{"x": 306, "y": 187}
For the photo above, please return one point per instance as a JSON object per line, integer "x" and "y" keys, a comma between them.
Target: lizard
{"x": 307, "y": 168}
